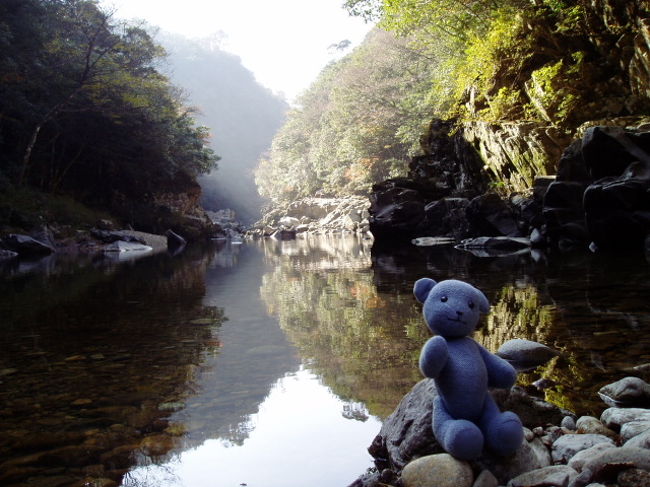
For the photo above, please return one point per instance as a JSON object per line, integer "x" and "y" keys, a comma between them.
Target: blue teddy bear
{"x": 465, "y": 417}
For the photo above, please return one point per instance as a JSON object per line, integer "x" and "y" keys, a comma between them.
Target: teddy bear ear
{"x": 483, "y": 303}
{"x": 422, "y": 287}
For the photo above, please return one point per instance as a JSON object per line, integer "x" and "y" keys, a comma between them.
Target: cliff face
{"x": 561, "y": 79}
{"x": 595, "y": 72}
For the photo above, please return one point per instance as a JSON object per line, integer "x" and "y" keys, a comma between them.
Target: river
{"x": 271, "y": 363}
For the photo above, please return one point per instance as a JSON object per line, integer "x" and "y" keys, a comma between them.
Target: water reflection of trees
{"x": 361, "y": 329}
{"x": 355, "y": 337}
{"x": 589, "y": 307}
{"x": 95, "y": 369}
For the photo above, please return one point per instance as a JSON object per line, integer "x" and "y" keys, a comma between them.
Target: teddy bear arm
{"x": 501, "y": 374}
{"x": 433, "y": 356}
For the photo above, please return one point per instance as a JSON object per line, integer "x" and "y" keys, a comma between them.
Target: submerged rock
{"x": 25, "y": 245}
{"x": 121, "y": 246}
{"x": 7, "y": 254}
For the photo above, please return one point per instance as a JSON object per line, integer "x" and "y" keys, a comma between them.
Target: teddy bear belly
{"x": 463, "y": 384}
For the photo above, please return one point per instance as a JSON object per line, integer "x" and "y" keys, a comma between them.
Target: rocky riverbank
{"x": 315, "y": 216}
{"x": 598, "y": 199}
{"x": 105, "y": 237}
{"x": 559, "y": 450}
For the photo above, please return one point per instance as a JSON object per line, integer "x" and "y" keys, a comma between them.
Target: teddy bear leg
{"x": 503, "y": 431}
{"x": 459, "y": 437}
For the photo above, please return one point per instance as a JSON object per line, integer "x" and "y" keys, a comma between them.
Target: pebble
{"x": 568, "y": 422}
{"x": 441, "y": 470}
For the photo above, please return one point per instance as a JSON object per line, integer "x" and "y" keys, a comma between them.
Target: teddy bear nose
{"x": 459, "y": 313}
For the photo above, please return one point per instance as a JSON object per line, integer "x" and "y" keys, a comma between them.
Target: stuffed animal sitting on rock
{"x": 465, "y": 417}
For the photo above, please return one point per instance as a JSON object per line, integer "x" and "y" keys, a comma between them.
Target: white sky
{"x": 284, "y": 42}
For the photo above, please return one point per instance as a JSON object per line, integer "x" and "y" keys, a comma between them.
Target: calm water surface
{"x": 270, "y": 363}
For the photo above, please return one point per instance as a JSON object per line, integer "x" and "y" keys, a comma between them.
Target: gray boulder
{"x": 634, "y": 428}
{"x": 566, "y": 446}
{"x": 407, "y": 432}
{"x": 606, "y": 465}
{"x": 627, "y": 392}
{"x": 578, "y": 460}
{"x": 640, "y": 441}
{"x": 526, "y": 354}
{"x": 531, "y": 455}
{"x": 614, "y": 418}
{"x": 589, "y": 424}
{"x": 553, "y": 476}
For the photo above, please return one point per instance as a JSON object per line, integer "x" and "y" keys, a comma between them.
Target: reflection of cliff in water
{"x": 357, "y": 339}
{"x": 93, "y": 360}
{"x": 254, "y": 353}
{"x": 591, "y": 308}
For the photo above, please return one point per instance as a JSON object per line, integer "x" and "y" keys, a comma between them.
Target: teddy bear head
{"x": 451, "y": 308}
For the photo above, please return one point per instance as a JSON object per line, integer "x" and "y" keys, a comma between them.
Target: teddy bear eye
{"x": 443, "y": 299}
{"x": 471, "y": 305}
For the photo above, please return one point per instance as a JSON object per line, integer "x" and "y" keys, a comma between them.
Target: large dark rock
{"x": 627, "y": 392}
{"x": 446, "y": 217}
{"x": 602, "y": 192}
{"x": 450, "y": 163}
{"x": 617, "y": 212}
{"x": 25, "y": 245}
{"x": 490, "y": 215}
{"x": 608, "y": 151}
{"x": 407, "y": 432}
{"x": 396, "y": 209}
{"x": 449, "y": 173}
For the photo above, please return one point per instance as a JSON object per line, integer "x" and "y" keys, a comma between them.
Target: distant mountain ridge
{"x": 242, "y": 115}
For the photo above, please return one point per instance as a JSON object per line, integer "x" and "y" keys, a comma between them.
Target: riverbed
{"x": 271, "y": 363}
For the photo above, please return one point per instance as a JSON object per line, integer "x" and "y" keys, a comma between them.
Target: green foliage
{"x": 83, "y": 109}
{"x": 356, "y": 125}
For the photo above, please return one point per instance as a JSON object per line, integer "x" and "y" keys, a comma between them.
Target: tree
{"x": 357, "y": 124}
{"x": 84, "y": 107}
